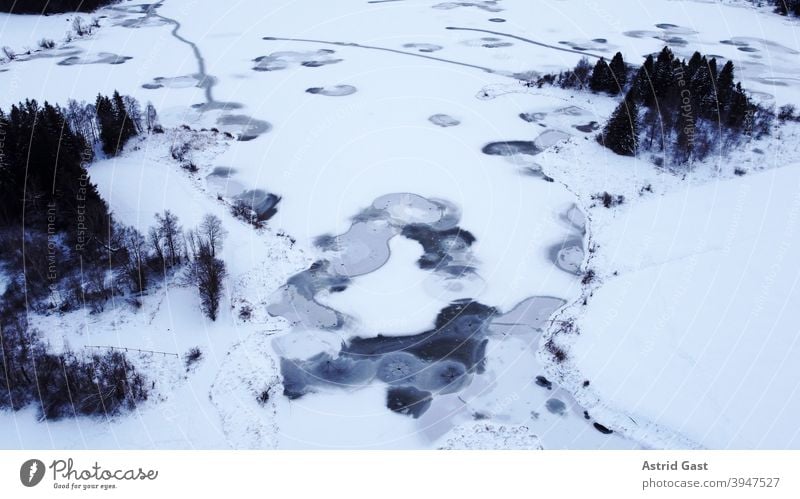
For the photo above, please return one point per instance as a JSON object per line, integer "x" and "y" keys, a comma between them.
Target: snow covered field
{"x": 686, "y": 336}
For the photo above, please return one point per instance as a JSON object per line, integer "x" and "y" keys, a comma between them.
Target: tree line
{"x": 681, "y": 109}
{"x": 783, "y": 7}
{"x": 44, "y": 151}
{"x": 52, "y": 6}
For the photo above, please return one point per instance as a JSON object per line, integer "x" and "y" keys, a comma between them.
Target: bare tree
{"x": 135, "y": 269}
{"x": 154, "y": 239}
{"x": 169, "y": 231}
{"x": 134, "y": 111}
{"x": 212, "y": 233}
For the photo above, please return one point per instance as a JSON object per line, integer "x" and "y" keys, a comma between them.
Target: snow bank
{"x": 699, "y": 331}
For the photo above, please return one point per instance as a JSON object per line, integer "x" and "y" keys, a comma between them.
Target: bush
{"x": 787, "y": 113}
{"x": 263, "y": 397}
{"x": 244, "y": 211}
{"x": 245, "y": 313}
{"x": 609, "y": 200}
{"x": 558, "y": 353}
{"x": 46, "y": 43}
{"x": 193, "y": 356}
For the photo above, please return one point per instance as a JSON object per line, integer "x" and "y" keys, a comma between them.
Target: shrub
{"x": 46, "y": 43}
{"x": 245, "y": 313}
{"x": 263, "y": 397}
{"x": 192, "y": 356}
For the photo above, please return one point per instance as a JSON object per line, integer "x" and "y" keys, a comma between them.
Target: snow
{"x": 22, "y": 33}
{"x": 699, "y": 308}
{"x": 701, "y": 312}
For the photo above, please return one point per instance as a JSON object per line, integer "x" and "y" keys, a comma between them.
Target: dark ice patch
{"x": 532, "y": 117}
{"x": 555, "y": 406}
{"x": 444, "y": 377}
{"x": 511, "y": 148}
{"x": 423, "y": 47}
{"x": 587, "y": 128}
{"x": 487, "y": 5}
{"x": 246, "y": 127}
{"x": 98, "y": 58}
{"x": 282, "y": 60}
{"x": 333, "y": 90}
{"x": 441, "y": 247}
{"x": 343, "y": 371}
{"x": 408, "y": 400}
{"x": 544, "y": 382}
{"x": 399, "y": 368}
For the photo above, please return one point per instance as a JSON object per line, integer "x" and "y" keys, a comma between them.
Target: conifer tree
{"x": 642, "y": 89}
{"x": 725, "y": 85}
{"x": 106, "y": 121}
{"x": 601, "y": 80}
{"x": 619, "y": 74}
{"x": 662, "y": 73}
{"x": 739, "y": 109}
{"x": 621, "y": 133}
{"x": 693, "y": 65}
{"x": 116, "y": 125}
{"x": 126, "y": 125}
{"x": 703, "y": 92}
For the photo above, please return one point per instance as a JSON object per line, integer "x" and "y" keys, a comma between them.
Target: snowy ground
{"x": 339, "y": 103}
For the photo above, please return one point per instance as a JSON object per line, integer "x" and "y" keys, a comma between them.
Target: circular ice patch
{"x": 342, "y": 370}
{"x": 555, "y": 406}
{"x": 444, "y": 120}
{"x": 446, "y": 376}
{"x": 399, "y": 367}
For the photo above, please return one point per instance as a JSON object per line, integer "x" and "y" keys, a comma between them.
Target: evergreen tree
{"x": 703, "y": 92}
{"x": 642, "y": 88}
{"x": 116, "y": 125}
{"x": 662, "y": 73}
{"x": 602, "y": 79}
{"x": 107, "y": 123}
{"x": 725, "y": 85}
{"x": 619, "y": 73}
{"x": 739, "y": 109}
{"x": 694, "y": 64}
{"x": 43, "y": 178}
{"x": 712, "y": 68}
{"x": 621, "y": 133}
{"x": 126, "y": 124}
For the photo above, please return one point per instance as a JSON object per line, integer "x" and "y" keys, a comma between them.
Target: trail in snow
{"x": 386, "y": 49}
{"x": 526, "y": 40}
